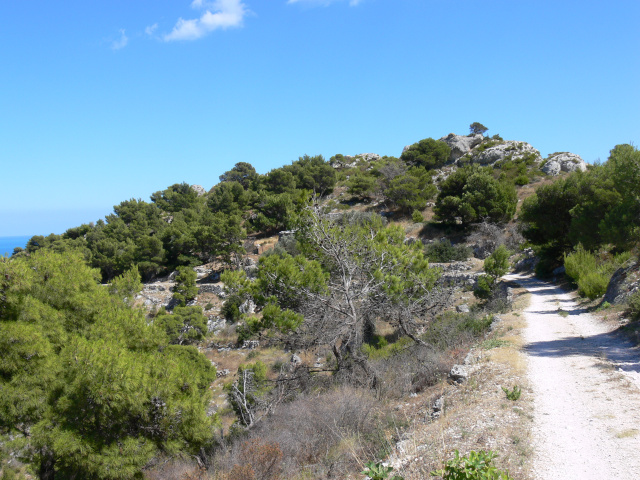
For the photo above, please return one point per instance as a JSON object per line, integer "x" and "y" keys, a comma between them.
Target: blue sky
{"x": 104, "y": 101}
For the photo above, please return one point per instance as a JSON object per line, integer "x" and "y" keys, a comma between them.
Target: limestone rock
{"x": 438, "y": 407}
{"x": 624, "y": 282}
{"x": 199, "y": 189}
{"x": 456, "y": 274}
{"x": 248, "y": 307}
{"x": 368, "y": 157}
{"x": 215, "y": 323}
{"x": 462, "y": 308}
{"x": 563, "y": 162}
{"x": 349, "y": 161}
{"x": 459, "y": 373}
{"x": 250, "y": 344}
{"x": 528, "y": 262}
{"x": 216, "y": 288}
{"x": 202, "y": 272}
{"x": 460, "y": 144}
{"x": 509, "y": 149}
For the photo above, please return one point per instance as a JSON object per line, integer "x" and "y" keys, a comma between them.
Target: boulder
{"x": 459, "y": 373}
{"x": 624, "y": 282}
{"x": 462, "y": 308}
{"x": 506, "y": 150}
{"x": 438, "y": 407}
{"x": 202, "y": 272}
{"x": 460, "y": 144}
{"x": 528, "y": 261}
{"x": 563, "y": 162}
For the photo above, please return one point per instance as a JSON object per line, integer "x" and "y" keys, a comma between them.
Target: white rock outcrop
{"x": 350, "y": 161}
{"x": 199, "y": 189}
{"x": 461, "y": 144}
{"x": 512, "y": 149}
{"x": 563, "y": 162}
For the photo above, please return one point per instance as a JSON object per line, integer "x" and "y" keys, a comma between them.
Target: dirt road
{"x": 585, "y": 383}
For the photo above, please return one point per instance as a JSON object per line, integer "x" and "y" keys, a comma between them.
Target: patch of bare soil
{"x": 585, "y": 382}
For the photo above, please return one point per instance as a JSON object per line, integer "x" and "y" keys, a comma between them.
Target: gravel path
{"x": 585, "y": 383}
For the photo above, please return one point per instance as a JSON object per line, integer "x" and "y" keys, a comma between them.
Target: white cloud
{"x": 121, "y": 42}
{"x": 150, "y": 30}
{"x": 324, "y": 3}
{"x": 218, "y": 14}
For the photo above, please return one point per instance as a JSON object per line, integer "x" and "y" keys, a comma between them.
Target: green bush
{"x": 522, "y": 180}
{"x": 475, "y": 466}
{"x": 593, "y": 284}
{"x": 231, "y": 308}
{"x": 579, "y": 263}
{"x": 417, "y": 217}
{"x": 484, "y": 287}
{"x": 590, "y": 273}
{"x": 186, "y": 289}
{"x": 452, "y": 328}
{"x": 380, "y": 348}
{"x": 444, "y": 252}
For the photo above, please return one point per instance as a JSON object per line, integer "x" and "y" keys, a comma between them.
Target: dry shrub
{"x": 241, "y": 472}
{"x": 175, "y": 468}
{"x": 488, "y": 236}
{"x": 327, "y": 435}
{"x": 198, "y": 474}
{"x": 264, "y": 458}
{"x": 410, "y": 371}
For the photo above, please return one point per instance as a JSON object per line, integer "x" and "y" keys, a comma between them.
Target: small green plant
{"x": 378, "y": 471}
{"x": 604, "y": 306}
{"x": 475, "y": 466}
{"x": 514, "y": 394}
{"x": 208, "y": 306}
{"x": 417, "y": 217}
{"x": 563, "y": 313}
{"x": 521, "y": 180}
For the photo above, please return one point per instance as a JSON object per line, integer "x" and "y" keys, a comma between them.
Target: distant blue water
{"x": 7, "y": 244}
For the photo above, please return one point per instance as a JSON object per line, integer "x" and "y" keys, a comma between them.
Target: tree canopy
{"x": 86, "y": 385}
{"x": 427, "y": 153}
{"x": 477, "y": 127}
{"x": 472, "y": 194}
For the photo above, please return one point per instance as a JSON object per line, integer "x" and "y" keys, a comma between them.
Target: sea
{"x": 7, "y": 244}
